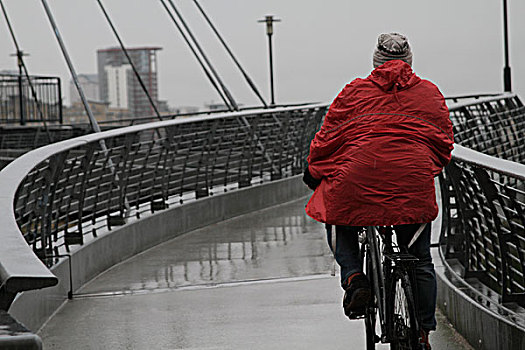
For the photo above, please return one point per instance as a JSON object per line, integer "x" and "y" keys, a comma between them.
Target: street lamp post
{"x": 269, "y": 31}
{"x": 506, "y": 70}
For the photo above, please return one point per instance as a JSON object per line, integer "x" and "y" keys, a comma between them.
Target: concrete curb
{"x": 481, "y": 327}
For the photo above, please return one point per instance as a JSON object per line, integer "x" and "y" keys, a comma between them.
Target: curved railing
{"x": 63, "y": 192}
{"x": 484, "y": 202}
{"x": 16, "y": 139}
{"x": 483, "y": 235}
{"x": 59, "y": 194}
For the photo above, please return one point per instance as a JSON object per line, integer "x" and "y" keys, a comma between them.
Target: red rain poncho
{"x": 382, "y": 142}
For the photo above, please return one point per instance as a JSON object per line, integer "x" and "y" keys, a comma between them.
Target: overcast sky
{"x": 318, "y": 47}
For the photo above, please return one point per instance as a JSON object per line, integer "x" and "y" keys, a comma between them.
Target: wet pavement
{"x": 259, "y": 281}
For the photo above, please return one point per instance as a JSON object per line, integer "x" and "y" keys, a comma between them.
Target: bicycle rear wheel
{"x": 402, "y": 317}
{"x": 372, "y": 268}
{"x": 371, "y": 311}
{"x": 372, "y": 327}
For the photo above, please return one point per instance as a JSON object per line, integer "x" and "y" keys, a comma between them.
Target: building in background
{"x": 89, "y": 84}
{"x": 118, "y": 85}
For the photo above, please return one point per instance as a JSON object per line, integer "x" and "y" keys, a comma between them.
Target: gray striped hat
{"x": 392, "y": 46}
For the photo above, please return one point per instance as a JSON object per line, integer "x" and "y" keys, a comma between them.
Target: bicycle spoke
{"x": 401, "y": 315}
{"x": 403, "y": 322}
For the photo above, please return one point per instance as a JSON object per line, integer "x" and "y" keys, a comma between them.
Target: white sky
{"x": 318, "y": 47}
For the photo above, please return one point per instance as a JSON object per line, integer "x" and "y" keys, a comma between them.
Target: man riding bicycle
{"x": 373, "y": 162}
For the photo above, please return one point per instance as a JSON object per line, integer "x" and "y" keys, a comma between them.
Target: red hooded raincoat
{"x": 383, "y": 141}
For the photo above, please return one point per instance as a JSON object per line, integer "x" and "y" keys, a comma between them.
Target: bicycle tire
{"x": 372, "y": 267}
{"x": 371, "y": 317}
{"x": 402, "y": 314}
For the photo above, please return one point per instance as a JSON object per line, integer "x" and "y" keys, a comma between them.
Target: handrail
{"x": 146, "y": 119}
{"x": 27, "y": 161}
{"x": 494, "y": 126}
{"x": 475, "y": 99}
{"x": 19, "y": 139}
{"x": 20, "y": 269}
{"x": 48, "y": 150}
{"x": 502, "y": 166}
{"x": 483, "y": 195}
{"x": 55, "y": 195}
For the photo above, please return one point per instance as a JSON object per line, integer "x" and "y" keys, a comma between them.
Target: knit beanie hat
{"x": 392, "y": 46}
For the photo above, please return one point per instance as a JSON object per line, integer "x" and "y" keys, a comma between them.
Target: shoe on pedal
{"x": 357, "y": 295}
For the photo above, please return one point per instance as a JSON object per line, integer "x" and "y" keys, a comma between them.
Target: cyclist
{"x": 373, "y": 162}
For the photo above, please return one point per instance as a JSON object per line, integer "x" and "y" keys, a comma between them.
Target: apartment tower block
{"x": 118, "y": 84}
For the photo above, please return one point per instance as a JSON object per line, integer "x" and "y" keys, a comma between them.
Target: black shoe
{"x": 357, "y": 295}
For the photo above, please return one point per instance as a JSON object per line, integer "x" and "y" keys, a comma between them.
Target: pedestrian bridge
{"x": 190, "y": 233}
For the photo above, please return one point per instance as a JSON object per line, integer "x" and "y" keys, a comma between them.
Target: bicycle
{"x": 390, "y": 270}
{"x": 391, "y": 273}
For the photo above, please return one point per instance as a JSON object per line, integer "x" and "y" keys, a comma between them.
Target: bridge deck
{"x": 254, "y": 282}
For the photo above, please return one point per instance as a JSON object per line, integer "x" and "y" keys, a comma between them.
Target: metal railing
{"x": 16, "y": 140}
{"x": 76, "y": 188}
{"x": 26, "y": 138}
{"x": 119, "y": 123}
{"x": 484, "y": 196}
{"x": 18, "y": 106}
{"x": 492, "y": 125}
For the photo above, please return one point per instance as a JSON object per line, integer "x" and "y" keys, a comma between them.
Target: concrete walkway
{"x": 260, "y": 281}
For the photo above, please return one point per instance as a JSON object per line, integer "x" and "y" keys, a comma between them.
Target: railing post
{"x": 157, "y": 204}
{"x": 21, "y": 102}
{"x": 6, "y": 298}
{"x": 60, "y": 115}
{"x": 87, "y": 164}
{"x": 459, "y": 239}
{"x": 245, "y": 179}
{"x": 491, "y": 195}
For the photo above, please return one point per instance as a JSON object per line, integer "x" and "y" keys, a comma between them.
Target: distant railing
{"x": 18, "y": 104}
{"x": 81, "y": 186}
{"x": 16, "y": 140}
{"x": 26, "y": 138}
{"x": 119, "y": 123}
{"x": 484, "y": 197}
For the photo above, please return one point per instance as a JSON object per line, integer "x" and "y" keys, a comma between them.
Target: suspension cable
{"x": 203, "y": 66}
{"x": 26, "y": 73}
{"x": 201, "y": 51}
{"x": 92, "y": 120}
{"x": 246, "y": 76}
{"x": 137, "y": 75}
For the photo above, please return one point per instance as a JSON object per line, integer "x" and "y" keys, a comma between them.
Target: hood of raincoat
{"x": 394, "y": 74}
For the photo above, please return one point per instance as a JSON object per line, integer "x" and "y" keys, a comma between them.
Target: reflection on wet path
{"x": 278, "y": 242}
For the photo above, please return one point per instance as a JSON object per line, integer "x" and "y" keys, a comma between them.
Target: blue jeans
{"x": 347, "y": 255}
